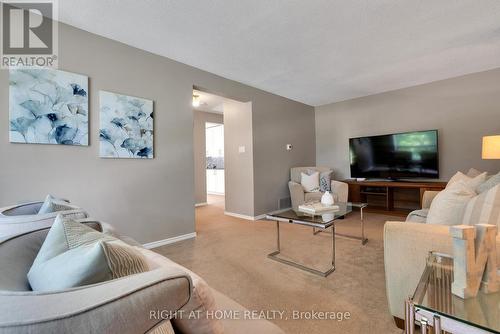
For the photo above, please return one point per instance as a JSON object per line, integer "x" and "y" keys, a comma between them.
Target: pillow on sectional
{"x": 74, "y": 255}
{"x": 310, "y": 183}
{"x": 53, "y": 204}
{"x": 484, "y": 208}
{"x": 325, "y": 181}
{"x": 473, "y": 172}
{"x": 471, "y": 182}
{"x": 489, "y": 183}
{"x": 448, "y": 206}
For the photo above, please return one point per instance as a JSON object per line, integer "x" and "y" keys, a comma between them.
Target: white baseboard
{"x": 252, "y": 218}
{"x": 169, "y": 241}
{"x": 237, "y": 215}
{"x": 200, "y": 204}
{"x": 215, "y": 193}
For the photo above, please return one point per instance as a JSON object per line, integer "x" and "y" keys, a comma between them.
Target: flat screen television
{"x": 395, "y": 156}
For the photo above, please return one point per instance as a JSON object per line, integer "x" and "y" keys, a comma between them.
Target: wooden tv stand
{"x": 413, "y": 191}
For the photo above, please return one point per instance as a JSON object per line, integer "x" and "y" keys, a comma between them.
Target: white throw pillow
{"x": 471, "y": 182}
{"x": 484, "y": 208}
{"x": 310, "y": 183}
{"x": 448, "y": 206}
{"x": 473, "y": 172}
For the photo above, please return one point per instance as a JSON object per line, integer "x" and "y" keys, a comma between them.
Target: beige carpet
{"x": 230, "y": 254}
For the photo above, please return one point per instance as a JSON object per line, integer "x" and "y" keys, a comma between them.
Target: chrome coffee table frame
{"x": 317, "y": 227}
{"x": 362, "y": 237}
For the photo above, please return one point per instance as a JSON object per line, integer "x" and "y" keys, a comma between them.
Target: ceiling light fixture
{"x": 196, "y": 101}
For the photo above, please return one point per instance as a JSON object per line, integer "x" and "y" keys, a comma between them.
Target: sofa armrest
{"x": 340, "y": 191}
{"x": 428, "y": 197}
{"x": 118, "y": 306}
{"x": 296, "y": 194}
{"x": 406, "y": 247}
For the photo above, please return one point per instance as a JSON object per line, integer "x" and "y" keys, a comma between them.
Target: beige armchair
{"x": 339, "y": 191}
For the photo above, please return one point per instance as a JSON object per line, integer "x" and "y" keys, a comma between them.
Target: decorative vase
{"x": 327, "y": 199}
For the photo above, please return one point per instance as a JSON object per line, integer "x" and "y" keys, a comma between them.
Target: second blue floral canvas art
{"x": 126, "y": 126}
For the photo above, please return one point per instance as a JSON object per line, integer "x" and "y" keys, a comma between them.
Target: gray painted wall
{"x": 239, "y": 166}
{"x": 149, "y": 200}
{"x": 463, "y": 109}
{"x": 199, "y": 150}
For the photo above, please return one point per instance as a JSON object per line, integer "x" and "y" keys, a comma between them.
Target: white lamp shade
{"x": 491, "y": 147}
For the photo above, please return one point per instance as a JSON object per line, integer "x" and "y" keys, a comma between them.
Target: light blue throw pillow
{"x": 74, "y": 254}
{"x": 325, "y": 181}
{"x": 488, "y": 184}
{"x": 53, "y": 204}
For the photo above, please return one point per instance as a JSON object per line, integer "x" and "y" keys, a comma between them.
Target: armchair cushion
{"x": 310, "y": 183}
{"x": 312, "y": 197}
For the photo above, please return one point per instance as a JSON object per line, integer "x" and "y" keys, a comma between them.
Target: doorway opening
{"x": 214, "y": 146}
{"x": 223, "y": 153}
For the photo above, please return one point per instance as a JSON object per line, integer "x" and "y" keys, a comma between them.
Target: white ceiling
{"x": 210, "y": 102}
{"x": 313, "y": 51}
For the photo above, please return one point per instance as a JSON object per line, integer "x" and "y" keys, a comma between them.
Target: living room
{"x": 381, "y": 117}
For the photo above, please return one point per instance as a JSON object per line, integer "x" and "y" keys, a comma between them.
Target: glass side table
{"x": 437, "y": 310}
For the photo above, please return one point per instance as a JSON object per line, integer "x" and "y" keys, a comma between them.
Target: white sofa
{"x": 406, "y": 247}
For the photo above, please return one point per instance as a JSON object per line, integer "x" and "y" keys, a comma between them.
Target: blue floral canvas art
{"x": 48, "y": 107}
{"x": 126, "y": 126}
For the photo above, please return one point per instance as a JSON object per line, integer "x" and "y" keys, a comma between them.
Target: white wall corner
{"x": 253, "y": 218}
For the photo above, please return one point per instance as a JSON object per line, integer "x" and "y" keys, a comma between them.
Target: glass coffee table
{"x": 319, "y": 223}
{"x": 437, "y": 310}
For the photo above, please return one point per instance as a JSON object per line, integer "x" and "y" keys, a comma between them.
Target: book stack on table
{"x": 317, "y": 208}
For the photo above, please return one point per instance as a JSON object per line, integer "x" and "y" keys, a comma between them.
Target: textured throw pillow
{"x": 74, "y": 255}
{"x": 473, "y": 172}
{"x": 448, "y": 206}
{"x": 325, "y": 181}
{"x": 471, "y": 182}
{"x": 310, "y": 183}
{"x": 488, "y": 184}
{"x": 53, "y": 204}
{"x": 484, "y": 208}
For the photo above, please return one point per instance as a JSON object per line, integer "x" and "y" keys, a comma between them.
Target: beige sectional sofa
{"x": 121, "y": 305}
{"x": 19, "y": 218}
{"x": 406, "y": 246}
